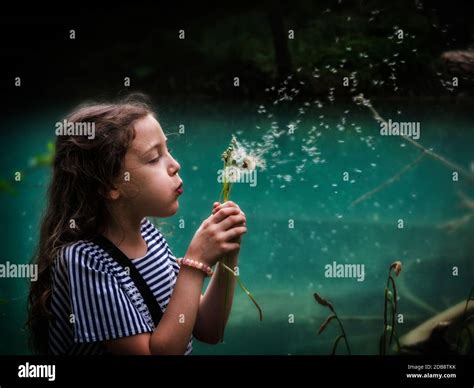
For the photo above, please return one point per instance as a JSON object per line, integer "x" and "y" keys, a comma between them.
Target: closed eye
{"x": 155, "y": 160}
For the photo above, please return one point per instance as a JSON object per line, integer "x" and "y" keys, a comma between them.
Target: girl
{"x": 103, "y": 187}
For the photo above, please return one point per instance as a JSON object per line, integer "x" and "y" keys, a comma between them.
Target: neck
{"x": 123, "y": 229}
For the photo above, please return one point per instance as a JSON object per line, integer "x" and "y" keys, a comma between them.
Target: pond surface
{"x": 299, "y": 216}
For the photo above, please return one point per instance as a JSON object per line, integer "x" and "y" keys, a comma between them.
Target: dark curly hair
{"x": 84, "y": 170}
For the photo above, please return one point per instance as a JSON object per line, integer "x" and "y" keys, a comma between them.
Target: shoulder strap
{"x": 140, "y": 283}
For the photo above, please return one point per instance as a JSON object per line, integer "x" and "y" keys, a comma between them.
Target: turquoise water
{"x": 283, "y": 266}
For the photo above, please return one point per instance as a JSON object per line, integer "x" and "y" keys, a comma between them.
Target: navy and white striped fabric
{"x": 94, "y": 299}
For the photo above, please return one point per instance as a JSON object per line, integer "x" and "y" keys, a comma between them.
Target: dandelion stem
{"x": 225, "y": 262}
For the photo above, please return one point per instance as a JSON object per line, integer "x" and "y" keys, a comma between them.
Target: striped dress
{"x": 94, "y": 299}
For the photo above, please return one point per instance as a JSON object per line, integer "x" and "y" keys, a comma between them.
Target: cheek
{"x": 156, "y": 182}
{"x": 149, "y": 183}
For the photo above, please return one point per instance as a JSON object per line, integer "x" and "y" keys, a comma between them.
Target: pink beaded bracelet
{"x": 196, "y": 264}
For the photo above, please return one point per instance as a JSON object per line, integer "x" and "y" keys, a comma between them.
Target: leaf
{"x": 326, "y": 323}
{"x": 244, "y": 289}
{"x": 323, "y": 302}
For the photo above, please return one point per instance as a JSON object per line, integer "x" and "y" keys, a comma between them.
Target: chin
{"x": 174, "y": 210}
{"x": 171, "y": 211}
{"x": 166, "y": 212}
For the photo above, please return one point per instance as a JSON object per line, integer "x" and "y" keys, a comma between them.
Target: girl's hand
{"x": 219, "y": 234}
{"x": 217, "y": 206}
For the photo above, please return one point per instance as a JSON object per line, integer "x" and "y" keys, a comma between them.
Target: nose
{"x": 174, "y": 167}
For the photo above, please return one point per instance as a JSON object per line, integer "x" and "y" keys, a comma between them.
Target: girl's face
{"x": 150, "y": 179}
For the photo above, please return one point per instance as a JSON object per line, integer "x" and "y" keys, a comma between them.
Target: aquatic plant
{"x": 326, "y": 303}
{"x": 237, "y": 163}
{"x": 40, "y": 160}
{"x": 45, "y": 159}
{"x": 390, "y": 310}
{"x": 465, "y": 341}
{"x": 7, "y": 187}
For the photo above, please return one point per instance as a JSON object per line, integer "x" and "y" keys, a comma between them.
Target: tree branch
{"x": 389, "y": 181}
{"x": 462, "y": 171}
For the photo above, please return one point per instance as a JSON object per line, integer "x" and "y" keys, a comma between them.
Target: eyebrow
{"x": 154, "y": 146}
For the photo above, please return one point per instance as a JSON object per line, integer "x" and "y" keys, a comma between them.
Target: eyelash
{"x": 153, "y": 161}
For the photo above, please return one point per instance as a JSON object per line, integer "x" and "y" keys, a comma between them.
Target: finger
{"x": 229, "y": 247}
{"x": 237, "y": 240}
{"x": 227, "y": 204}
{"x": 216, "y": 209}
{"x": 241, "y": 213}
{"x": 243, "y": 217}
{"x": 223, "y": 214}
{"x": 234, "y": 233}
{"x": 232, "y": 221}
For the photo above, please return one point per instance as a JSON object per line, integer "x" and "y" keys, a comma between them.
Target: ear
{"x": 114, "y": 194}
